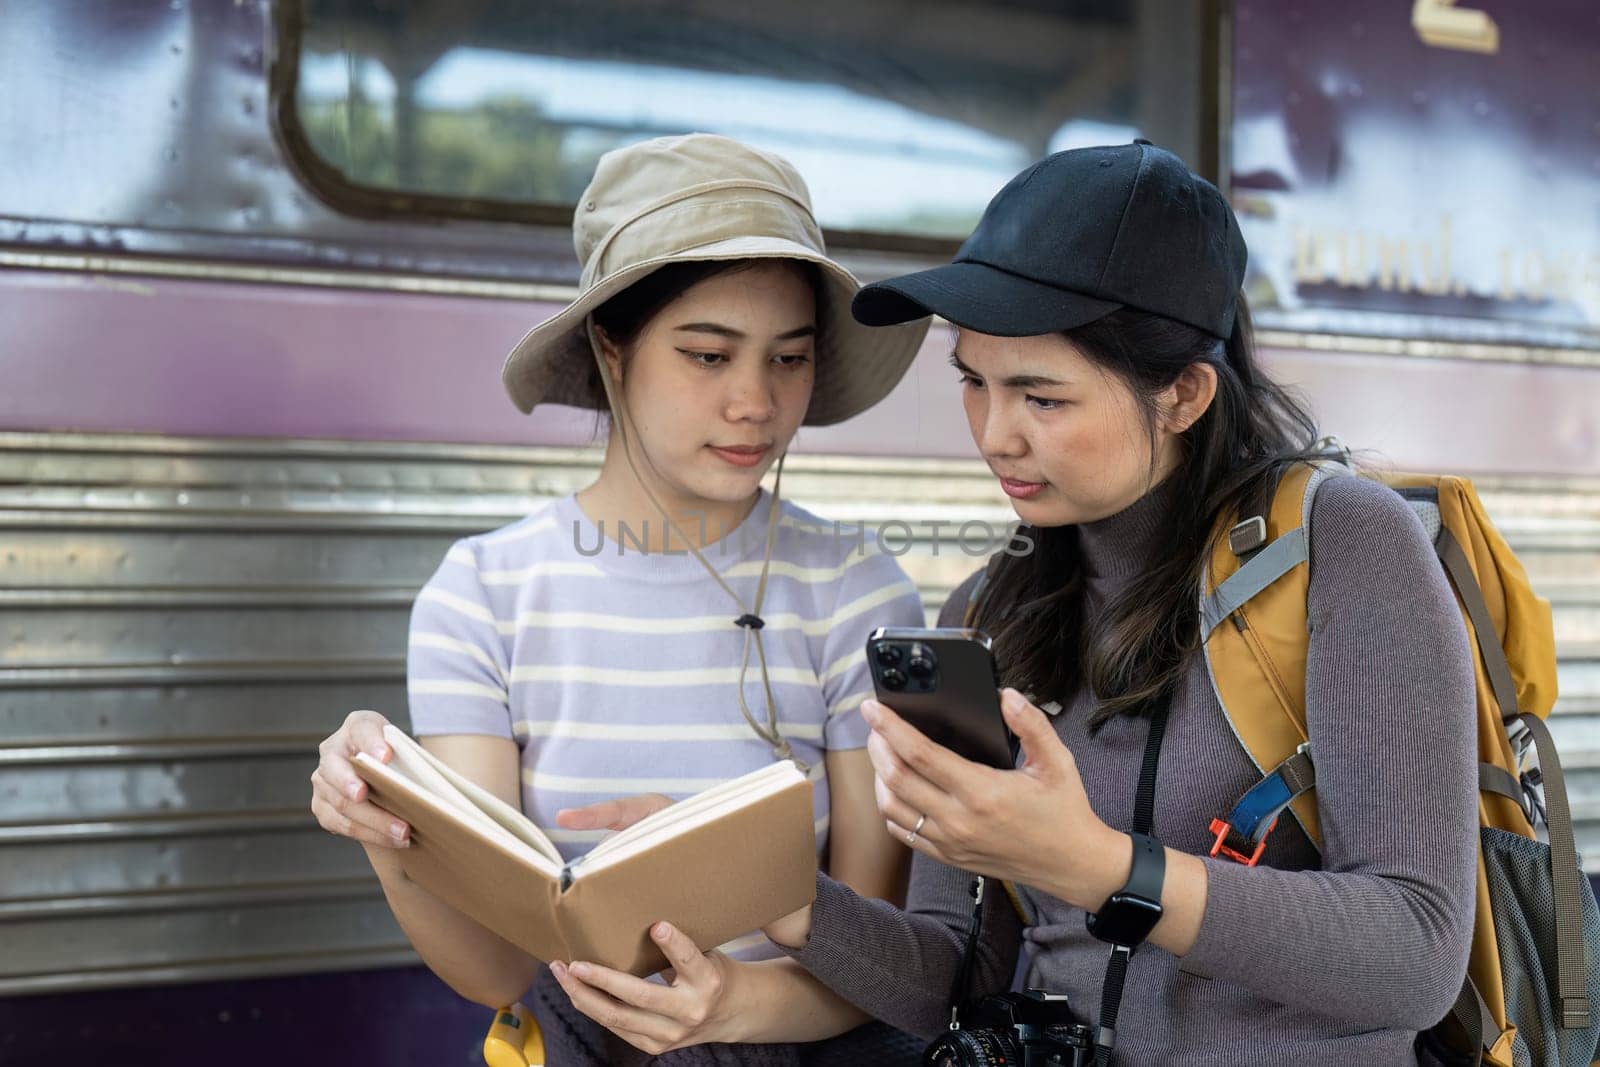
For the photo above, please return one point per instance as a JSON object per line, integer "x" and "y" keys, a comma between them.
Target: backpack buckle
{"x": 1334, "y": 448}
{"x": 1231, "y": 843}
{"x": 1521, "y": 740}
{"x": 1247, "y": 536}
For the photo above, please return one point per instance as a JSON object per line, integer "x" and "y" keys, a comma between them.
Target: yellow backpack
{"x": 1536, "y": 936}
{"x": 1528, "y": 981}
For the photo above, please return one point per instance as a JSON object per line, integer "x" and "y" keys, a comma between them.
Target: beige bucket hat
{"x": 704, "y": 197}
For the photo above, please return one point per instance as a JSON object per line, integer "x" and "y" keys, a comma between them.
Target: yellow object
{"x": 513, "y": 1040}
{"x": 1257, "y": 661}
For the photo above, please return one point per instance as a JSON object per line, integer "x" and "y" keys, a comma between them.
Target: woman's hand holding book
{"x": 339, "y": 797}
{"x": 693, "y": 1007}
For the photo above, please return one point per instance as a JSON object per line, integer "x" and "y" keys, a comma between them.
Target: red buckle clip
{"x": 1222, "y": 829}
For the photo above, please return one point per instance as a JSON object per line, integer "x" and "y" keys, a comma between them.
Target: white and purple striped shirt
{"x": 616, "y": 670}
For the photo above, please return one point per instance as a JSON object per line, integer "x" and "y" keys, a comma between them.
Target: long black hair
{"x": 1252, "y": 431}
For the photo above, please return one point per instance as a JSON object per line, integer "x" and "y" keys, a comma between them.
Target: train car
{"x": 259, "y": 263}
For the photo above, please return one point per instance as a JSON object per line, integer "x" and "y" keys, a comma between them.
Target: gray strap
{"x": 1298, "y": 772}
{"x": 1266, "y": 567}
{"x": 1321, "y": 474}
{"x": 1472, "y": 1014}
{"x": 1494, "y": 657}
{"x": 1492, "y": 779}
{"x": 1571, "y": 964}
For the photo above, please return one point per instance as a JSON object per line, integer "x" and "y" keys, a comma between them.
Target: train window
{"x": 904, "y": 116}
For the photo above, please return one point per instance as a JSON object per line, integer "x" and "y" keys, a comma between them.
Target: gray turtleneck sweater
{"x": 1309, "y": 959}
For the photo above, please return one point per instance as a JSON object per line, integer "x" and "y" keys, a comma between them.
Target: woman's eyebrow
{"x": 739, "y": 335}
{"x": 1015, "y": 381}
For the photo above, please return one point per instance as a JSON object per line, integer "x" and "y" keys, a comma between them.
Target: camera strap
{"x": 962, "y": 989}
{"x": 1144, "y": 805}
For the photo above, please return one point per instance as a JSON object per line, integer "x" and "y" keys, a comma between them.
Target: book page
{"x": 410, "y": 760}
{"x": 386, "y": 780}
{"x": 686, "y": 815}
{"x": 741, "y": 864}
{"x": 484, "y": 804}
{"x": 690, "y": 807}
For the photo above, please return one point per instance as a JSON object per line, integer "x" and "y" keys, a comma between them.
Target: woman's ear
{"x": 611, "y": 352}
{"x": 1190, "y": 396}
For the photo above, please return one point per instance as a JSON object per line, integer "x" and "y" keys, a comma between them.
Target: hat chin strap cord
{"x": 750, "y": 618}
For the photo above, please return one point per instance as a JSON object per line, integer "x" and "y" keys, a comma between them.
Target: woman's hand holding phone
{"x": 1032, "y": 825}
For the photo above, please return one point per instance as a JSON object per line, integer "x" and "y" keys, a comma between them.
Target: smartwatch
{"x": 1129, "y": 914}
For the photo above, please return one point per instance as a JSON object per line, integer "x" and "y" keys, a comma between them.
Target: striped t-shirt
{"x": 616, "y": 669}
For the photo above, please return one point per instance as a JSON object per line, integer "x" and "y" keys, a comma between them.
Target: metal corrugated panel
{"x": 182, "y": 620}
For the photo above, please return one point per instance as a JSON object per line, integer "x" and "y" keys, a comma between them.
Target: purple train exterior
{"x": 242, "y": 419}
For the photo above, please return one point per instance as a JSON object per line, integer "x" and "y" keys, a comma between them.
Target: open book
{"x": 716, "y": 865}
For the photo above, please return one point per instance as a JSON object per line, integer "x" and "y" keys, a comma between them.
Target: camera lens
{"x": 889, "y": 655}
{"x": 893, "y": 679}
{"x": 920, "y": 666}
{"x": 974, "y": 1048}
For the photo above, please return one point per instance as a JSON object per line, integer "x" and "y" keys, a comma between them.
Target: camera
{"x": 1028, "y": 1029}
{"x": 911, "y": 666}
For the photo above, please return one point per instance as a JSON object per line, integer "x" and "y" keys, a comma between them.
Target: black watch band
{"x": 1129, "y": 914}
{"x": 1149, "y": 873}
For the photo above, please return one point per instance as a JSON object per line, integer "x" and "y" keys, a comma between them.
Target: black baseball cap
{"x": 1076, "y": 236}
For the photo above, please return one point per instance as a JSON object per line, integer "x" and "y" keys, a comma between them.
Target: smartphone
{"x": 945, "y": 683}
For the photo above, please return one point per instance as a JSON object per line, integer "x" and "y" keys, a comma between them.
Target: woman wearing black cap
{"x": 1108, "y": 376}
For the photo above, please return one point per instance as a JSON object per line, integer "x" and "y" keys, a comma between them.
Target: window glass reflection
{"x": 904, "y": 118}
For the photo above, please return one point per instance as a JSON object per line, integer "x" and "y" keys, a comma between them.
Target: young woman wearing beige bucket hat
{"x": 1109, "y": 377}
{"x": 673, "y": 624}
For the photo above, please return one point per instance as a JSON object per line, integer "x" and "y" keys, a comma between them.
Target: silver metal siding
{"x": 181, "y": 620}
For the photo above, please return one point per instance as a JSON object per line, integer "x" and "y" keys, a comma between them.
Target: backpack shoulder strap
{"x": 1253, "y": 623}
{"x": 1253, "y": 607}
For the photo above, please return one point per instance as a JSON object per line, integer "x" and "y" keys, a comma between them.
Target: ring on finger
{"x": 911, "y": 838}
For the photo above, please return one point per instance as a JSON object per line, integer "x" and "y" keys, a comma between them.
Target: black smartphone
{"x": 945, "y": 683}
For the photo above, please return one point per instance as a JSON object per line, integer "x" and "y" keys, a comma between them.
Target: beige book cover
{"x": 716, "y": 865}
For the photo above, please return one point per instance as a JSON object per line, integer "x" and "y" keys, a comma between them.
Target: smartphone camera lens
{"x": 920, "y": 664}
{"x": 893, "y": 679}
{"x": 889, "y": 655}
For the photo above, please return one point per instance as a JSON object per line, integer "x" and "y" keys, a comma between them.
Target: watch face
{"x": 1124, "y": 920}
